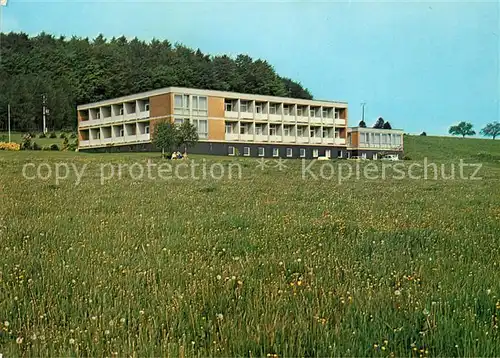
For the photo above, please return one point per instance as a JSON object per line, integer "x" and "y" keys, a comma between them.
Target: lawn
{"x": 268, "y": 264}
{"x": 16, "y": 137}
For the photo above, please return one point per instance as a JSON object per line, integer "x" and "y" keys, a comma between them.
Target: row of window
{"x": 200, "y": 124}
{"x": 380, "y": 138}
{"x": 183, "y": 104}
{"x": 288, "y": 109}
{"x": 274, "y": 130}
{"x": 261, "y": 152}
{"x": 96, "y": 113}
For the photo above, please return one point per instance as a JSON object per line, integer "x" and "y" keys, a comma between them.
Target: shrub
{"x": 62, "y": 135}
{"x": 35, "y": 146}
{"x": 54, "y": 147}
{"x": 26, "y": 142}
{"x": 73, "y": 146}
{"x": 42, "y": 135}
{"x": 53, "y": 135}
{"x": 10, "y": 146}
{"x": 46, "y": 147}
{"x": 73, "y": 135}
{"x": 406, "y": 157}
{"x": 65, "y": 144}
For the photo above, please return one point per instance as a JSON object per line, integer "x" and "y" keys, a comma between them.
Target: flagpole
{"x": 8, "y": 110}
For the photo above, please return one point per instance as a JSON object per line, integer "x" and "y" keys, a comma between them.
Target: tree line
{"x": 81, "y": 70}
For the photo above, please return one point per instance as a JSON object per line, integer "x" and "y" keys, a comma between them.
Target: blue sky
{"x": 421, "y": 65}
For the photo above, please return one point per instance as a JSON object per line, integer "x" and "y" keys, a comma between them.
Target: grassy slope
{"x": 443, "y": 148}
{"x": 16, "y": 137}
{"x": 145, "y": 268}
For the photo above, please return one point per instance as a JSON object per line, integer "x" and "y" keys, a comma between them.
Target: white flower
{"x": 6, "y": 323}
{"x": 219, "y": 277}
{"x": 397, "y": 292}
{"x": 488, "y": 291}
{"x": 19, "y": 340}
{"x": 71, "y": 341}
{"x": 141, "y": 312}
{"x": 220, "y": 316}
{"x": 107, "y": 332}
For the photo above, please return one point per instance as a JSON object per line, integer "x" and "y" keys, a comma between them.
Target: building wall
{"x": 216, "y": 128}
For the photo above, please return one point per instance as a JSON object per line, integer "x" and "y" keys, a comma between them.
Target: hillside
{"x": 80, "y": 70}
{"x": 443, "y": 148}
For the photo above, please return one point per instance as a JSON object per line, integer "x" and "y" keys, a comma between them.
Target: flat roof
{"x": 376, "y": 129}
{"x": 205, "y": 92}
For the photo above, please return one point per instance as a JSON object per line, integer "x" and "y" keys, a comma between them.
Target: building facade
{"x": 228, "y": 123}
{"x": 372, "y": 143}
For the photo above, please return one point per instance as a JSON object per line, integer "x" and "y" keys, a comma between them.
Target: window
{"x": 289, "y": 152}
{"x": 146, "y": 107}
{"x": 199, "y": 105}
{"x": 261, "y": 152}
{"x": 287, "y": 110}
{"x": 276, "y": 152}
{"x": 146, "y": 129}
{"x": 230, "y": 150}
{"x": 312, "y": 113}
{"x": 246, "y": 151}
{"x": 178, "y": 121}
{"x": 273, "y": 129}
{"x": 121, "y": 133}
{"x": 229, "y": 106}
{"x": 273, "y": 108}
{"x": 258, "y": 107}
{"x": 202, "y": 126}
{"x": 325, "y": 133}
{"x": 229, "y": 128}
{"x": 302, "y": 153}
{"x": 337, "y": 114}
{"x": 299, "y": 111}
{"x": 363, "y": 155}
{"x": 328, "y": 153}
{"x": 244, "y": 128}
{"x": 375, "y": 156}
{"x": 300, "y": 131}
{"x": 325, "y": 113}
{"x": 286, "y": 131}
{"x": 98, "y": 115}
{"x": 244, "y": 106}
{"x": 337, "y": 134}
{"x": 181, "y": 104}
{"x": 312, "y": 133}
{"x": 121, "y": 111}
{"x": 315, "y": 153}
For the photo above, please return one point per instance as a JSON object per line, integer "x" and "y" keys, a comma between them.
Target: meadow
{"x": 270, "y": 264}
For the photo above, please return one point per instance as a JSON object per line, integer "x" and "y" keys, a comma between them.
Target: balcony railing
{"x": 231, "y": 136}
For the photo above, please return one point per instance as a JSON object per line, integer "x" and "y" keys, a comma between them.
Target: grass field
{"x": 16, "y": 137}
{"x": 271, "y": 264}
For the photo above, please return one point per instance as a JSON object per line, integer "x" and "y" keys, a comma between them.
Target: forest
{"x": 72, "y": 71}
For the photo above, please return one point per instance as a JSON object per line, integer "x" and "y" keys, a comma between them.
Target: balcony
{"x": 275, "y": 117}
{"x": 143, "y": 137}
{"x": 246, "y": 137}
{"x": 261, "y": 138}
{"x": 340, "y": 141}
{"x": 231, "y": 114}
{"x": 315, "y": 120}
{"x": 328, "y": 121}
{"x": 288, "y": 139}
{"x": 261, "y": 116}
{"x": 143, "y": 114}
{"x": 303, "y": 140}
{"x": 289, "y": 119}
{"x": 316, "y": 140}
{"x": 246, "y": 115}
{"x": 275, "y": 138}
{"x": 84, "y": 143}
{"x": 340, "y": 122}
{"x": 302, "y": 119}
{"x": 231, "y": 137}
{"x": 328, "y": 140}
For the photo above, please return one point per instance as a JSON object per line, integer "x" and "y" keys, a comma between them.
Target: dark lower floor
{"x": 373, "y": 154}
{"x": 269, "y": 150}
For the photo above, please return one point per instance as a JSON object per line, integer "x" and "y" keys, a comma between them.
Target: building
{"x": 228, "y": 123}
{"x": 371, "y": 143}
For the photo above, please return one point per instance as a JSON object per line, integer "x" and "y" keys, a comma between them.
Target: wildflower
{"x": 498, "y": 305}
{"x": 93, "y": 318}
{"x": 299, "y": 283}
{"x": 233, "y": 278}
{"x": 219, "y": 277}
{"x": 71, "y": 341}
{"x": 141, "y": 312}
{"x": 19, "y": 340}
{"x": 6, "y": 323}
{"x": 107, "y": 332}
{"x": 488, "y": 291}
{"x": 122, "y": 320}
{"x": 397, "y": 292}
{"x": 220, "y": 316}
{"x": 33, "y": 337}
{"x": 426, "y": 312}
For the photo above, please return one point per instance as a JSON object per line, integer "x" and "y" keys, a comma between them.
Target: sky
{"x": 422, "y": 66}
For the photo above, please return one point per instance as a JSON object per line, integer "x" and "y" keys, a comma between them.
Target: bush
{"x": 73, "y": 135}
{"x": 73, "y": 146}
{"x": 406, "y": 157}
{"x": 65, "y": 144}
{"x": 10, "y": 146}
{"x": 46, "y": 148}
{"x": 35, "y": 146}
{"x": 53, "y": 135}
{"x": 26, "y": 142}
{"x": 62, "y": 135}
{"x": 42, "y": 135}
{"x": 54, "y": 147}
{"x": 423, "y": 134}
